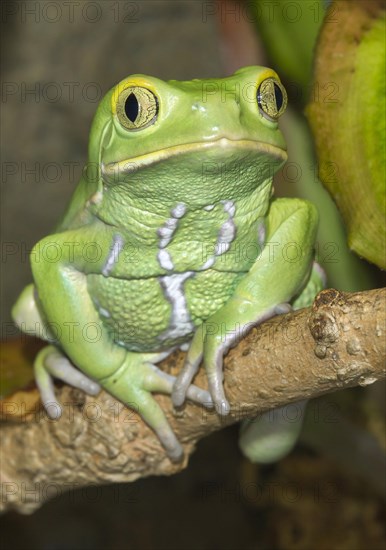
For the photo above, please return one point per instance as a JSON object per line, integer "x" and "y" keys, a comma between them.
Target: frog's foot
{"x": 49, "y": 364}
{"x": 134, "y": 383}
{"x": 211, "y": 348}
{"x": 217, "y": 346}
{"x": 213, "y": 357}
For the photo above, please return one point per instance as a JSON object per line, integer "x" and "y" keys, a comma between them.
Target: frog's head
{"x": 198, "y": 141}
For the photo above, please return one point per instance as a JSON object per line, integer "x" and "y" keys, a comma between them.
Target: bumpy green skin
{"x": 173, "y": 237}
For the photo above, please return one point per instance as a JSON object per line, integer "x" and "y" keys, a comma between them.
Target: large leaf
{"x": 347, "y": 116}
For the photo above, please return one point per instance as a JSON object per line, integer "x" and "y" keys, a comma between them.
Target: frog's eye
{"x": 137, "y": 108}
{"x": 271, "y": 98}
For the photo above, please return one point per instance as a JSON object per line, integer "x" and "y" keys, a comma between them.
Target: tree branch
{"x": 337, "y": 343}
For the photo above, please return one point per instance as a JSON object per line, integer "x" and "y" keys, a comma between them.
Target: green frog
{"x": 172, "y": 239}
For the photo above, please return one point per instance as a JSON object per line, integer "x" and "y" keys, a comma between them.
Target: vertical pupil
{"x": 131, "y": 107}
{"x": 278, "y": 97}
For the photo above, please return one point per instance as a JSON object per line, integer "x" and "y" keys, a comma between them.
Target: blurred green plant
{"x": 350, "y": 132}
{"x": 290, "y": 32}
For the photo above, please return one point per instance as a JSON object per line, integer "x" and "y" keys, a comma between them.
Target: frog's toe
{"x": 160, "y": 381}
{"x": 220, "y": 401}
{"x": 153, "y": 415}
{"x": 189, "y": 370}
{"x": 49, "y": 364}
{"x": 171, "y": 444}
{"x": 215, "y": 381}
{"x": 60, "y": 367}
{"x": 198, "y": 395}
{"x": 284, "y": 307}
{"x": 45, "y": 385}
{"x": 183, "y": 382}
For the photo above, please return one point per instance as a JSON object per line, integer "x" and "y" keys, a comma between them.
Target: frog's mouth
{"x": 127, "y": 166}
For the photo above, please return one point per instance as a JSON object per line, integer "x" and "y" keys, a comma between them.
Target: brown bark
{"x": 337, "y": 343}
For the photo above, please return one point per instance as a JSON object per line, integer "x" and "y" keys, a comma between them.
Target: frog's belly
{"x": 158, "y": 313}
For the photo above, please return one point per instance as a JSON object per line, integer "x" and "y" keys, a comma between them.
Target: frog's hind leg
{"x": 49, "y": 364}
{"x": 272, "y": 435}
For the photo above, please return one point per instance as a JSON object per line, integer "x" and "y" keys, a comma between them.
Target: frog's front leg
{"x": 66, "y": 303}
{"x": 136, "y": 381}
{"x": 274, "y": 279}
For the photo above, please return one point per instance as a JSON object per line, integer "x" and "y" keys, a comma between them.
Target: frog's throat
{"x": 135, "y": 163}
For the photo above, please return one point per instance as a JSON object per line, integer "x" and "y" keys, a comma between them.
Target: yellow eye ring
{"x": 137, "y": 108}
{"x": 271, "y": 99}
